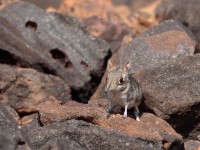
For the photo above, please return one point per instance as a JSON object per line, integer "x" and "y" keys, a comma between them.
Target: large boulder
{"x": 76, "y": 134}
{"x": 51, "y": 43}
{"x": 171, "y": 90}
{"x": 181, "y": 10}
{"x": 169, "y": 40}
{"x": 23, "y": 89}
{"x": 150, "y": 133}
{"x": 161, "y": 43}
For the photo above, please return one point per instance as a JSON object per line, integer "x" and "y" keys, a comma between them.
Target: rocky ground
{"x": 53, "y": 71}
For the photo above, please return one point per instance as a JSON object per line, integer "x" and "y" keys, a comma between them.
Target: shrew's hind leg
{"x": 136, "y": 112}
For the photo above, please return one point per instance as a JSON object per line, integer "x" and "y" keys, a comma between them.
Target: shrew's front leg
{"x": 125, "y": 110}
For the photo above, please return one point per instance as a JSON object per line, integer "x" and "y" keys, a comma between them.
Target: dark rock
{"x": 64, "y": 142}
{"x": 181, "y": 10}
{"x": 192, "y": 145}
{"x": 84, "y": 135}
{"x": 51, "y": 43}
{"x": 11, "y": 137}
{"x": 151, "y": 133}
{"x": 23, "y": 89}
{"x": 171, "y": 90}
{"x": 192, "y": 133}
{"x": 87, "y": 136}
{"x": 169, "y": 40}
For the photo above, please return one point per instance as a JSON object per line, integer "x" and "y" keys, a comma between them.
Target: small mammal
{"x": 122, "y": 89}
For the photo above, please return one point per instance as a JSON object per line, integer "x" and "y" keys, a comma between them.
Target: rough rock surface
{"x": 172, "y": 91}
{"x": 182, "y": 10}
{"x": 192, "y": 145}
{"x": 75, "y": 134}
{"x": 23, "y": 89}
{"x": 156, "y": 131}
{"x": 51, "y": 43}
{"x": 168, "y": 40}
{"x": 11, "y": 137}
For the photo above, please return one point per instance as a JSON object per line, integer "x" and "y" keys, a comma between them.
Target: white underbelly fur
{"x": 121, "y": 100}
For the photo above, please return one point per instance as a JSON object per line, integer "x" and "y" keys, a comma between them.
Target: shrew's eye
{"x": 121, "y": 81}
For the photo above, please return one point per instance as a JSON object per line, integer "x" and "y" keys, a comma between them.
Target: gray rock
{"x": 62, "y": 142}
{"x": 171, "y": 90}
{"x": 51, "y": 43}
{"x": 168, "y": 40}
{"x": 11, "y": 137}
{"x": 181, "y": 10}
{"x": 77, "y": 134}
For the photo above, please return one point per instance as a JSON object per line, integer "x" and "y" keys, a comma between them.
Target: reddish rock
{"x": 23, "y": 89}
{"x": 116, "y": 15}
{"x": 114, "y": 34}
{"x": 87, "y": 8}
{"x": 151, "y": 128}
{"x": 53, "y": 44}
{"x": 51, "y": 112}
{"x": 169, "y": 40}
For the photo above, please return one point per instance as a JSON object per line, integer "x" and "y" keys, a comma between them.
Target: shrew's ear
{"x": 126, "y": 67}
{"x": 110, "y": 66}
